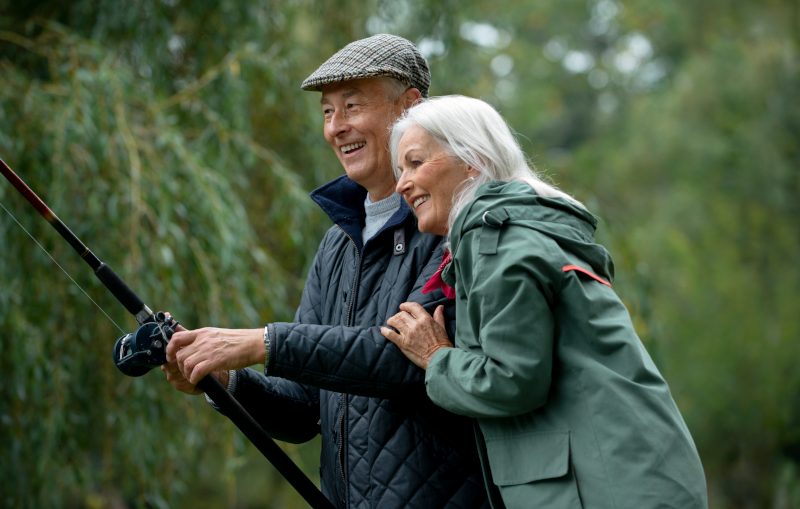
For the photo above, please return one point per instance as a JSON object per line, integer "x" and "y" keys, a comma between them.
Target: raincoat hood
{"x": 571, "y": 226}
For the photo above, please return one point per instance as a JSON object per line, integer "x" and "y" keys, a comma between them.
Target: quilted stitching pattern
{"x": 401, "y": 450}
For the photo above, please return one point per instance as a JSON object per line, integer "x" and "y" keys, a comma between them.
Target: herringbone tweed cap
{"x": 379, "y": 55}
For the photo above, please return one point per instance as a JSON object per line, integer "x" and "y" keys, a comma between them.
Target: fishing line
{"x": 62, "y": 269}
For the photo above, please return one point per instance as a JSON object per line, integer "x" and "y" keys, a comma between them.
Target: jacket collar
{"x": 343, "y": 200}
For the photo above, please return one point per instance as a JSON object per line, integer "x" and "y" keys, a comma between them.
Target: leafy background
{"x": 172, "y": 137}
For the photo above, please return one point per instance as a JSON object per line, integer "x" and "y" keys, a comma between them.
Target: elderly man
{"x": 384, "y": 443}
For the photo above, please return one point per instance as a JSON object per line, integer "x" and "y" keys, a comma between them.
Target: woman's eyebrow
{"x": 410, "y": 153}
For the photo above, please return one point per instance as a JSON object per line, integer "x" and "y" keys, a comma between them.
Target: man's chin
{"x": 360, "y": 173}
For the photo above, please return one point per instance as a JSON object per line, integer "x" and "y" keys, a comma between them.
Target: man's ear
{"x": 410, "y": 97}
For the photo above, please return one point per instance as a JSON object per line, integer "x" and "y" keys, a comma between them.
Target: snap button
{"x": 398, "y": 247}
{"x": 491, "y": 221}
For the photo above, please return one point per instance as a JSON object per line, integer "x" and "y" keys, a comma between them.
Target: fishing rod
{"x": 137, "y": 353}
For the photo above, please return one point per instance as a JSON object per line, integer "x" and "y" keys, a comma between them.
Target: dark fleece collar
{"x": 343, "y": 200}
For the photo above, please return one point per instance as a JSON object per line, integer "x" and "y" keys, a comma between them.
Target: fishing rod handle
{"x": 263, "y": 442}
{"x": 123, "y": 293}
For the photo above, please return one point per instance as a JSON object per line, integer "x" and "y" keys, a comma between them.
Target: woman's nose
{"x": 403, "y": 184}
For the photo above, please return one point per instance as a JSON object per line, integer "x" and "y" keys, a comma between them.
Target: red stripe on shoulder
{"x": 581, "y": 269}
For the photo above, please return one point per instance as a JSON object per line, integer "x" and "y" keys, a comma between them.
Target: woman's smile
{"x": 419, "y": 201}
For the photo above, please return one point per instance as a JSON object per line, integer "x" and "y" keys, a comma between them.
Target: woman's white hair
{"x": 472, "y": 131}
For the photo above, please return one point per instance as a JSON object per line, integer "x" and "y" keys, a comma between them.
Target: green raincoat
{"x": 570, "y": 410}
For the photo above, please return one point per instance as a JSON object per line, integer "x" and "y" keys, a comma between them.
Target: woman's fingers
{"x": 419, "y": 334}
{"x": 402, "y": 321}
{"x": 438, "y": 316}
{"x": 391, "y": 335}
{"x": 414, "y": 309}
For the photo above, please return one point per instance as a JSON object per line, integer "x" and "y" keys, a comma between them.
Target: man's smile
{"x": 352, "y": 148}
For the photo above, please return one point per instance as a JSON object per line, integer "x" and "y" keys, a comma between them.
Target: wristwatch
{"x": 266, "y": 347}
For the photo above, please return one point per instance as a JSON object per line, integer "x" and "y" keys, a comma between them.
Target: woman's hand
{"x": 420, "y": 335}
{"x": 199, "y": 352}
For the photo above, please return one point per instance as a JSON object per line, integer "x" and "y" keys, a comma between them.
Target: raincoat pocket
{"x": 534, "y": 470}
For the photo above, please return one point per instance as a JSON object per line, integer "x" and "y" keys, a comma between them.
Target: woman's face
{"x": 429, "y": 179}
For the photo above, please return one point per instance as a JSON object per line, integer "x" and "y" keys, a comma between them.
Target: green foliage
{"x": 153, "y": 184}
{"x": 173, "y": 138}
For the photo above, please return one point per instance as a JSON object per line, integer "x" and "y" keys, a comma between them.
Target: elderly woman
{"x": 570, "y": 410}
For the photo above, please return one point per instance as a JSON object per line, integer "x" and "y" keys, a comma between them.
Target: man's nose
{"x": 337, "y": 125}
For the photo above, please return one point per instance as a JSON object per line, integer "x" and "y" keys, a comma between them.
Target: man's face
{"x": 358, "y": 115}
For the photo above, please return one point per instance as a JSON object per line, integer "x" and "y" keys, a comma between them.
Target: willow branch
{"x": 204, "y": 80}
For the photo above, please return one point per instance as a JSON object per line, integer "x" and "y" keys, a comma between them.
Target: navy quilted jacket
{"x": 384, "y": 443}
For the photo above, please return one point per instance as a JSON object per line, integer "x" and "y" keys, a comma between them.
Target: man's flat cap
{"x": 379, "y": 55}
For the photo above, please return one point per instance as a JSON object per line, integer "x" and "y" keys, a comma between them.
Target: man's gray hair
{"x": 472, "y": 131}
{"x": 394, "y": 88}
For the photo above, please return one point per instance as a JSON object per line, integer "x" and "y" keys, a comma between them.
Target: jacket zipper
{"x": 355, "y": 278}
{"x": 344, "y": 396}
{"x": 341, "y": 445}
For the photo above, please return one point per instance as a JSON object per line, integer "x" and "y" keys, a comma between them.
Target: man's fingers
{"x": 170, "y": 367}
{"x": 178, "y": 328}
{"x": 199, "y": 371}
{"x": 178, "y": 341}
{"x": 174, "y": 375}
{"x": 187, "y": 387}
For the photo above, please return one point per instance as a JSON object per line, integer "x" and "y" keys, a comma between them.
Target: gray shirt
{"x": 378, "y": 213}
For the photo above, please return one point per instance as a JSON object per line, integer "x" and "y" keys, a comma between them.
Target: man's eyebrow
{"x": 345, "y": 95}
{"x": 351, "y": 93}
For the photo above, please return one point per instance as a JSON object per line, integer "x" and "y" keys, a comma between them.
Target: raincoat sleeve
{"x": 501, "y": 365}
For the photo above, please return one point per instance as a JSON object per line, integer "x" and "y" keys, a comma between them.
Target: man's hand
{"x": 179, "y": 382}
{"x": 199, "y": 352}
{"x": 420, "y": 335}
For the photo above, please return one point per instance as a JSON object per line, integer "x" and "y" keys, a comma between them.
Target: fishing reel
{"x": 137, "y": 353}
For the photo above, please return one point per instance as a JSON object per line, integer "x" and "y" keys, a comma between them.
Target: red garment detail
{"x": 437, "y": 282}
{"x": 580, "y": 269}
